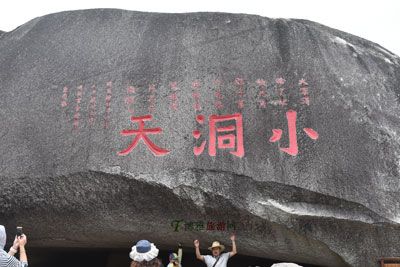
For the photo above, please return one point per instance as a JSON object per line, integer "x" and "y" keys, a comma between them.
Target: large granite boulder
{"x": 285, "y": 131}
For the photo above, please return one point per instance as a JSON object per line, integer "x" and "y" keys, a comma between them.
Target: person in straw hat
{"x": 144, "y": 254}
{"x": 218, "y": 258}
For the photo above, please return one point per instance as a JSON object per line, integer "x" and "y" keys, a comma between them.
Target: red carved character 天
{"x": 141, "y": 134}
{"x": 222, "y": 137}
{"x": 293, "y": 148}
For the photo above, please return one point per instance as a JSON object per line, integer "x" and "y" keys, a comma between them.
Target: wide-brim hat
{"x": 143, "y": 251}
{"x": 217, "y": 244}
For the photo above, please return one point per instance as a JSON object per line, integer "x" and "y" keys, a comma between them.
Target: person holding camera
{"x": 8, "y": 259}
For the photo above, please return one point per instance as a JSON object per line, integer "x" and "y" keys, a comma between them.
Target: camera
{"x": 19, "y": 231}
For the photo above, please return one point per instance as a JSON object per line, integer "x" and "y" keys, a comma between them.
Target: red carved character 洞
{"x": 141, "y": 134}
{"x": 222, "y": 137}
{"x": 293, "y": 148}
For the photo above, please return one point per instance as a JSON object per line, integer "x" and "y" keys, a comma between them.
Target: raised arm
{"x": 180, "y": 253}
{"x": 14, "y": 248}
{"x": 22, "y": 253}
{"x": 234, "y": 250}
{"x": 197, "y": 246}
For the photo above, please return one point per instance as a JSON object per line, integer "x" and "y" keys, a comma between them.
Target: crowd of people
{"x": 144, "y": 254}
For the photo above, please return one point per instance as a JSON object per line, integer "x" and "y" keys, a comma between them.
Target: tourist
{"x": 8, "y": 259}
{"x": 175, "y": 260}
{"x": 144, "y": 254}
{"x": 217, "y": 259}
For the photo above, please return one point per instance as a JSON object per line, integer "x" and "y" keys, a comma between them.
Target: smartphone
{"x": 19, "y": 231}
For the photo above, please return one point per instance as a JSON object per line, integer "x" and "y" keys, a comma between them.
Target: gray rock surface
{"x": 336, "y": 203}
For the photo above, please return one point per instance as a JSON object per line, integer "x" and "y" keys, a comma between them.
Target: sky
{"x": 378, "y": 21}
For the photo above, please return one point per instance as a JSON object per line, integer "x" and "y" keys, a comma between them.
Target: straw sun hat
{"x": 217, "y": 244}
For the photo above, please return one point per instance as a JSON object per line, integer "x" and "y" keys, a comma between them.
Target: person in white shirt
{"x": 218, "y": 258}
